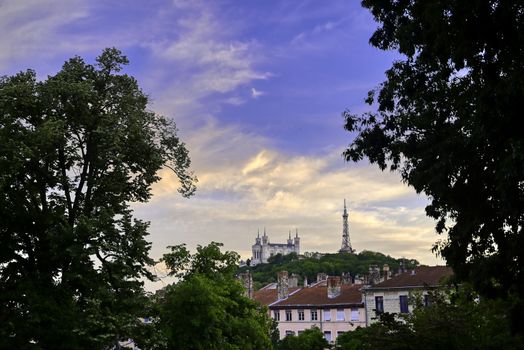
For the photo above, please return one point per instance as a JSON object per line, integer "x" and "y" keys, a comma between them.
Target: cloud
{"x": 29, "y": 27}
{"x": 234, "y": 100}
{"x": 206, "y": 60}
{"x": 256, "y": 94}
{"x": 246, "y": 185}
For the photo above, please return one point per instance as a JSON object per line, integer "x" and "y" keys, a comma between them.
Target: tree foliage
{"x": 207, "y": 308}
{"x": 75, "y": 150}
{"x": 448, "y": 120}
{"x": 309, "y": 339}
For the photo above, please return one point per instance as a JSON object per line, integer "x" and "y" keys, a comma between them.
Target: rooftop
{"x": 318, "y": 296}
{"x": 266, "y": 296}
{"x": 421, "y": 276}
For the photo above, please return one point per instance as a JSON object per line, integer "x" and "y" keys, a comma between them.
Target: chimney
{"x": 282, "y": 285}
{"x": 346, "y": 279}
{"x": 333, "y": 287}
{"x": 247, "y": 281}
{"x": 374, "y": 275}
{"x": 386, "y": 271}
{"x": 305, "y": 282}
{"x": 321, "y": 276}
{"x": 401, "y": 268}
{"x": 293, "y": 280}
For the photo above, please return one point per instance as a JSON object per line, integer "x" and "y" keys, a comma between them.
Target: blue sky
{"x": 257, "y": 89}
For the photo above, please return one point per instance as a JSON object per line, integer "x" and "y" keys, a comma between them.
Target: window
{"x": 379, "y": 304}
{"x": 300, "y": 332}
{"x": 355, "y": 316}
{"x": 276, "y": 315}
{"x": 314, "y": 315}
{"x": 288, "y": 315}
{"x": 290, "y": 333}
{"x": 327, "y": 335}
{"x": 301, "y": 315}
{"x": 427, "y": 300}
{"x": 340, "y": 314}
{"x": 339, "y": 333}
{"x": 403, "y": 304}
{"x": 327, "y": 315}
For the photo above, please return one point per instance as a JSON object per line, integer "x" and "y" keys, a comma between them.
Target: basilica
{"x": 262, "y": 249}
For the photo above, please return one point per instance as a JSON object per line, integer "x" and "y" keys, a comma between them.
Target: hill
{"x": 310, "y": 264}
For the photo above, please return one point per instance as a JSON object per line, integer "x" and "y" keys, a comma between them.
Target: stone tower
{"x": 346, "y": 243}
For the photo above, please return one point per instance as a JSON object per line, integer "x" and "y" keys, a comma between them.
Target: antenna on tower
{"x": 346, "y": 244}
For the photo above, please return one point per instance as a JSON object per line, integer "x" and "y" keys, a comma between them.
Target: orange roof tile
{"x": 268, "y": 296}
{"x": 317, "y": 297}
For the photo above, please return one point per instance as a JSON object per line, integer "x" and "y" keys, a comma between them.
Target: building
{"x": 263, "y": 249}
{"x": 392, "y": 294}
{"x": 331, "y": 305}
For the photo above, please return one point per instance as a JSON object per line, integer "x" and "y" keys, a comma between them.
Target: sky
{"x": 257, "y": 89}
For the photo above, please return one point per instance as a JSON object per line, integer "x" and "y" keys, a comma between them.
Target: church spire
{"x": 346, "y": 244}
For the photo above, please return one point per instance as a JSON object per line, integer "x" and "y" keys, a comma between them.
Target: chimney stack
{"x": 374, "y": 275}
{"x": 401, "y": 268}
{"x": 386, "y": 271}
{"x": 333, "y": 287}
{"x": 321, "y": 276}
{"x": 247, "y": 281}
{"x": 293, "y": 280}
{"x": 346, "y": 279}
{"x": 282, "y": 285}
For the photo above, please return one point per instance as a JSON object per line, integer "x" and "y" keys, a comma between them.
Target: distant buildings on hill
{"x": 262, "y": 250}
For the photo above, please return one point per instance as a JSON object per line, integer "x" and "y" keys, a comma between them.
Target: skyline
{"x": 257, "y": 91}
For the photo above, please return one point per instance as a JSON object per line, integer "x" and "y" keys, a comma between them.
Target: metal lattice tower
{"x": 346, "y": 244}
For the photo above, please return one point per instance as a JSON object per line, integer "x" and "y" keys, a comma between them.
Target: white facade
{"x": 263, "y": 250}
{"x": 390, "y": 301}
{"x": 331, "y": 320}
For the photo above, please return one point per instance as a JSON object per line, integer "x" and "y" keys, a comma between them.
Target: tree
{"x": 75, "y": 150}
{"x": 309, "y": 339}
{"x": 207, "y": 308}
{"x": 447, "y": 119}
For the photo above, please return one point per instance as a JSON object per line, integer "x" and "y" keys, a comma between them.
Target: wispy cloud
{"x": 206, "y": 57}
{"x": 257, "y": 187}
{"x": 256, "y": 93}
{"x": 29, "y": 27}
{"x": 198, "y": 64}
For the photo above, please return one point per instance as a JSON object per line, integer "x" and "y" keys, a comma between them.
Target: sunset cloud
{"x": 256, "y": 89}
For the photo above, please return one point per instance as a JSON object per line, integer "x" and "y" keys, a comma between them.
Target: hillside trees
{"x": 448, "y": 119}
{"x": 332, "y": 264}
{"x": 75, "y": 150}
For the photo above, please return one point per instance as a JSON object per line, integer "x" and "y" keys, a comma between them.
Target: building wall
{"x": 391, "y": 301}
{"x": 334, "y": 326}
